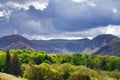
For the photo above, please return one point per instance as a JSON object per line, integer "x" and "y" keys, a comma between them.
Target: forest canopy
{"x": 41, "y": 66}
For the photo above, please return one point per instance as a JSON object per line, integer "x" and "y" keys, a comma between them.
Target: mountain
{"x": 99, "y": 42}
{"x": 19, "y": 45}
{"x": 14, "y": 41}
{"x": 111, "y": 49}
{"x": 102, "y": 44}
{"x": 60, "y": 46}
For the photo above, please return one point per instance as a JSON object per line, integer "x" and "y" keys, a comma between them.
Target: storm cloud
{"x": 59, "y": 19}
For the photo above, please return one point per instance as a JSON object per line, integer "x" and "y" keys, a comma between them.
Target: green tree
{"x": 38, "y": 58}
{"x": 103, "y": 64}
{"x": 77, "y": 59}
{"x": 38, "y": 72}
{"x": 112, "y": 65}
{"x": 2, "y": 62}
{"x": 115, "y": 74}
{"x": 79, "y": 76}
{"x": 66, "y": 70}
{"x": 7, "y": 62}
{"x": 47, "y": 61}
{"x": 53, "y": 75}
{"x": 15, "y": 65}
{"x": 118, "y": 64}
{"x": 28, "y": 70}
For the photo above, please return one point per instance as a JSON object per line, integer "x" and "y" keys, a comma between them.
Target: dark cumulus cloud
{"x": 59, "y": 19}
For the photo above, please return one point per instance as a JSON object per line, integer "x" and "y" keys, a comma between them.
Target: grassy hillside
{"x": 4, "y": 76}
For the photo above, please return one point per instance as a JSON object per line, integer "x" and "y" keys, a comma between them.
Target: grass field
{"x": 4, "y": 76}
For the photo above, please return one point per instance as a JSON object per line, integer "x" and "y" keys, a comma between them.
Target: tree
{"x": 94, "y": 63}
{"x": 79, "y": 76}
{"x": 66, "y": 69}
{"x": 38, "y": 72}
{"x": 118, "y": 64}
{"x": 2, "y": 62}
{"x": 15, "y": 65}
{"x": 115, "y": 74}
{"x": 47, "y": 61}
{"x": 76, "y": 59}
{"x": 53, "y": 75}
{"x": 7, "y": 62}
{"x": 112, "y": 65}
{"x": 103, "y": 64}
{"x": 37, "y": 57}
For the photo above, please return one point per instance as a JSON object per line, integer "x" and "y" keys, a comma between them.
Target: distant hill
{"x": 102, "y": 44}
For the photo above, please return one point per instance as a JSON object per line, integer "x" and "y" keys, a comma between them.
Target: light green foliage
{"x": 79, "y": 76}
{"x": 85, "y": 70}
{"x": 37, "y": 65}
{"x": 115, "y": 74}
{"x": 2, "y": 60}
{"x": 67, "y": 59}
{"x": 94, "y": 62}
{"x": 56, "y": 58}
{"x": 37, "y": 57}
{"x": 42, "y": 72}
{"x": 47, "y": 61}
{"x": 2, "y": 52}
{"x": 66, "y": 69}
{"x": 25, "y": 57}
{"x": 53, "y": 75}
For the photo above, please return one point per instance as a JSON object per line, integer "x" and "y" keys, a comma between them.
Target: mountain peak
{"x": 104, "y": 36}
{"x": 7, "y": 40}
{"x": 14, "y": 36}
{"x": 100, "y": 41}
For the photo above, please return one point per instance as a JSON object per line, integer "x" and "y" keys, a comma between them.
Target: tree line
{"x": 37, "y": 65}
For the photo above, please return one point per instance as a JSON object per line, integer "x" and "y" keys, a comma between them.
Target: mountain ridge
{"x": 96, "y": 45}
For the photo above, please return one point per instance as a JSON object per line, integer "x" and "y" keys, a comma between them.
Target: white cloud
{"x": 33, "y": 24}
{"x": 40, "y": 26}
{"x": 115, "y": 30}
{"x": 79, "y": 1}
{"x": 84, "y": 2}
{"x": 91, "y": 4}
{"x": 110, "y": 29}
{"x": 62, "y": 15}
{"x": 1, "y": 14}
{"x": 5, "y": 13}
{"x": 90, "y": 33}
{"x": 25, "y": 4}
{"x": 115, "y": 10}
{"x": 49, "y": 37}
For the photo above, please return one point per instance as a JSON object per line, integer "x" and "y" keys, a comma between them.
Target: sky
{"x": 59, "y": 19}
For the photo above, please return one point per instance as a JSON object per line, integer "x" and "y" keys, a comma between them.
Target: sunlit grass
{"x": 4, "y": 76}
{"x": 2, "y": 52}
